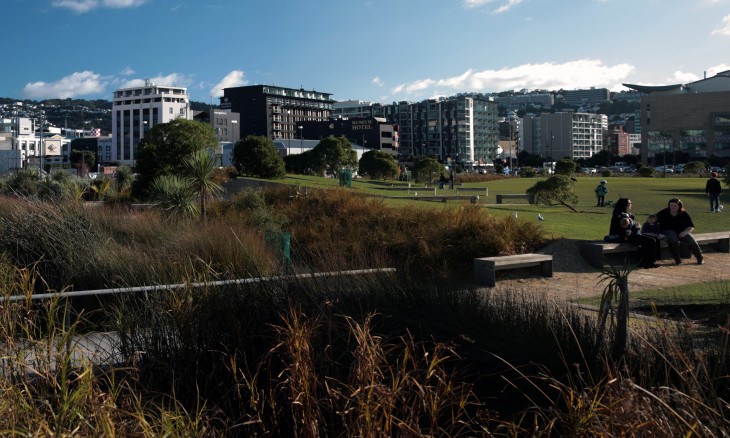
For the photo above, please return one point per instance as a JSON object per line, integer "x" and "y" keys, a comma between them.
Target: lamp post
{"x": 301, "y": 137}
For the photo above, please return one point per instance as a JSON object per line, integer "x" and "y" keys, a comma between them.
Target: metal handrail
{"x": 176, "y": 286}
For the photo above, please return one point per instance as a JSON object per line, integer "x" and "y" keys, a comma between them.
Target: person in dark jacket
{"x": 676, "y": 224}
{"x": 625, "y": 227}
{"x": 714, "y": 189}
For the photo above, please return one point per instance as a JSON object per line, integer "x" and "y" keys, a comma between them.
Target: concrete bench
{"x": 594, "y": 252}
{"x": 486, "y": 267}
{"x": 500, "y": 198}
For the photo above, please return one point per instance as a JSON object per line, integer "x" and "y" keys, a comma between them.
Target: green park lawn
{"x": 649, "y": 195}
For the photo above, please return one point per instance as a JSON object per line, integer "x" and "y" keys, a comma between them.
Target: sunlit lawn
{"x": 649, "y": 195}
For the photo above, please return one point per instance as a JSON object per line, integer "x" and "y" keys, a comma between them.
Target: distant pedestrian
{"x": 714, "y": 189}
{"x": 601, "y": 192}
{"x": 451, "y": 180}
{"x": 442, "y": 181}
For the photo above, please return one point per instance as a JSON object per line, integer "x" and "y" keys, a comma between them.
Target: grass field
{"x": 649, "y": 195}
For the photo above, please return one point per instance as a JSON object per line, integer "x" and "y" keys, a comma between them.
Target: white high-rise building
{"x": 136, "y": 110}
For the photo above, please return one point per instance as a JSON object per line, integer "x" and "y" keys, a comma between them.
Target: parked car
{"x": 669, "y": 169}
{"x": 588, "y": 170}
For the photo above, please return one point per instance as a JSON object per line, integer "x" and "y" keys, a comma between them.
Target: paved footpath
{"x": 573, "y": 278}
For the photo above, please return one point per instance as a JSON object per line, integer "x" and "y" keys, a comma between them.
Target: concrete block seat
{"x": 485, "y": 268}
{"x": 595, "y": 252}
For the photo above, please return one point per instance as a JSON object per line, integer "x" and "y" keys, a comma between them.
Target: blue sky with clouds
{"x": 376, "y": 50}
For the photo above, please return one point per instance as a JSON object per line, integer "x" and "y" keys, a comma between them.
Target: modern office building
{"x": 462, "y": 128}
{"x": 693, "y": 118}
{"x": 136, "y": 110}
{"x": 275, "y": 112}
{"x": 563, "y": 135}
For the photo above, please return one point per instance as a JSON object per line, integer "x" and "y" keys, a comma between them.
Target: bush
{"x": 527, "y": 172}
{"x": 606, "y": 173}
{"x": 646, "y": 171}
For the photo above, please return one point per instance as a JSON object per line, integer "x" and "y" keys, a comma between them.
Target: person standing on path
{"x": 714, "y": 189}
{"x": 601, "y": 192}
{"x": 676, "y": 224}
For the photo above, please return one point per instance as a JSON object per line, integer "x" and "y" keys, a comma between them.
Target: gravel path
{"x": 574, "y": 278}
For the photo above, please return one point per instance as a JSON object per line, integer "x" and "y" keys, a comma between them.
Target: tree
{"x": 566, "y": 166}
{"x": 257, "y": 156}
{"x": 426, "y": 169}
{"x": 558, "y": 189}
{"x": 335, "y": 153}
{"x": 200, "y": 171}
{"x": 527, "y": 172}
{"x": 378, "y": 165}
{"x": 164, "y": 148}
{"x": 82, "y": 157}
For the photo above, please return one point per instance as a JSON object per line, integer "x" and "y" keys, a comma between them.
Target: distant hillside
{"x": 73, "y": 113}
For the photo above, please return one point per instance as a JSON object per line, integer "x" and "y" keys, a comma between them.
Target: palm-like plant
{"x": 101, "y": 188}
{"x": 200, "y": 172}
{"x": 174, "y": 197}
{"x": 123, "y": 179}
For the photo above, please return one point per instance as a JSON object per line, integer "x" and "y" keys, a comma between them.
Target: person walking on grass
{"x": 676, "y": 224}
{"x": 714, "y": 189}
{"x": 601, "y": 192}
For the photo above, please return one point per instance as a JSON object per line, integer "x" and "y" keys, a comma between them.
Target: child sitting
{"x": 651, "y": 227}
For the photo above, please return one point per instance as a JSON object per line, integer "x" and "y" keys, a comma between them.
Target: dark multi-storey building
{"x": 463, "y": 128}
{"x": 369, "y": 132}
{"x": 275, "y": 112}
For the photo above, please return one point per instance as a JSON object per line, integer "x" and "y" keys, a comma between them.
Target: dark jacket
{"x": 713, "y": 186}
{"x": 677, "y": 223}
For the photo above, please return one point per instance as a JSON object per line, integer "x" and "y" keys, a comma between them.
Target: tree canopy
{"x": 566, "y": 166}
{"x": 378, "y": 165}
{"x": 257, "y": 156}
{"x": 164, "y": 148}
{"x": 426, "y": 169}
{"x": 558, "y": 189}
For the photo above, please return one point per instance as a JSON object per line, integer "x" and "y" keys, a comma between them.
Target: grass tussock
{"x": 329, "y": 225}
{"x": 327, "y": 355}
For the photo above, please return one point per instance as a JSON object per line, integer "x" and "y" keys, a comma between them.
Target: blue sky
{"x": 374, "y": 50}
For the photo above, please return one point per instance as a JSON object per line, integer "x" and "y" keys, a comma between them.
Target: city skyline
{"x": 373, "y": 50}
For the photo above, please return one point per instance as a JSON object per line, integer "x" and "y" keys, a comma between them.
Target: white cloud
{"x": 475, "y": 3}
{"x": 506, "y": 7}
{"x": 377, "y": 81}
{"x": 82, "y": 6}
{"x": 681, "y": 77}
{"x": 582, "y": 73}
{"x": 236, "y": 78}
{"x": 725, "y": 29}
{"x": 76, "y": 84}
{"x": 127, "y": 71}
{"x": 118, "y": 4}
{"x": 173, "y": 79}
{"x": 78, "y": 6}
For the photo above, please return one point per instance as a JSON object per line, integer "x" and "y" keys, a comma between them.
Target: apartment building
{"x": 136, "y": 110}
{"x": 462, "y": 128}
{"x": 563, "y": 135}
{"x": 368, "y": 132}
{"x": 583, "y": 97}
{"x": 275, "y": 112}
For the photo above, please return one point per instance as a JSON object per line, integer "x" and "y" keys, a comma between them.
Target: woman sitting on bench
{"x": 625, "y": 228}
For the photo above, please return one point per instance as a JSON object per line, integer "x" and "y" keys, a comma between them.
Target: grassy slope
{"x": 649, "y": 195}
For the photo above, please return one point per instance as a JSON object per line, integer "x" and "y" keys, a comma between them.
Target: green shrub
{"x": 646, "y": 171}
{"x": 527, "y": 172}
{"x": 606, "y": 173}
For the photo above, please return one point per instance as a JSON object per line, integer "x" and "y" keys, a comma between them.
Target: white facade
{"x": 136, "y": 110}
